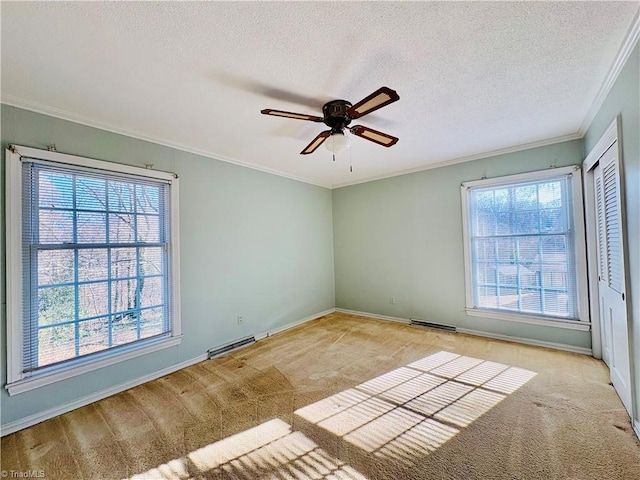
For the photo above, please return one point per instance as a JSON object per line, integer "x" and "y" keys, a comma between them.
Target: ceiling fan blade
{"x": 298, "y": 116}
{"x": 316, "y": 142}
{"x": 378, "y": 99}
{"x": 375, "y": 136}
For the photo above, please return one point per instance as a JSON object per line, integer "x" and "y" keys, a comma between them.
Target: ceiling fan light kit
{"x": 338, "y": 142}
{"x": 337, "y": 115}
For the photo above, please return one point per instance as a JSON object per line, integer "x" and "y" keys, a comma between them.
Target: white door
{"x": 611, "y": 275}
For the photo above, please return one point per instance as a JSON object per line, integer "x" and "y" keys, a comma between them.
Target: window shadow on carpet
{"x": 400, "y": 417}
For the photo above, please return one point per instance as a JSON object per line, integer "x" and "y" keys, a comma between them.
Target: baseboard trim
{"x": 636, "y": 428}
{"x": 291, "y": 325}
{"x": 374, "y": 315}
{"x": 528, "y": 341}
{"x": 478, "y": 333}
{"x": 31, "y": 420}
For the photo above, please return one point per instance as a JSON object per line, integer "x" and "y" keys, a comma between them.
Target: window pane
{"x": 502, "y": 199}
{"x": 123, "y": 262}
{"x": 121, "y": 228}
{"x": 55, "y": 266}
{"x": 151, "y": 322}
{"x": 550, "y": 194}
{"x": 92, "y": 227}
{"x": 94, "y": 335}
{"x": 93, "y": 299}
{"x": 147, "y": 199}
{"x": 485, "y": 249}
{"x": 529, "y": 249}
{"x": 148, "y": 228}
{"x": 55, "y": 226}
{"x": 151, "y": 261}
{"x": 56, "y": 344}
{"x": 487, "y": 273}
{"x": 123, "y": 295}
{"x": 508, "y": 298}
{"x": 506, "y": 248}
{"x": 56, "y": 305}
{"x": 531, "y": 301}
{"x": 124, "y": 331}
{"x": 529, "y": 276}
{"x": 554, "y": 277}
{"x": 150, "y": 291}
{"x": 557, "y": 303}
{"x": 487, "y": 296}
{"x": 485, "y": 224}
{"x": 507, "y": 274}
{"x": 91, "y": 194}
{"x": 526, "y": 197}
{"x": 554, "y": 249}
{"x": 553, "y": 220}
{"x": 55, "y": 190}
{"x": 92, "y": 264}
{"x": 527, "y": 222}
{"x": 120, "y": 196}
{"x": 484, "y": 200}
{"x": 504, "y": 223}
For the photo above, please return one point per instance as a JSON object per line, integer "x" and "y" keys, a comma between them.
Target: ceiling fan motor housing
{"x": 335, "y": 114}
{"x": 338, "y": 114}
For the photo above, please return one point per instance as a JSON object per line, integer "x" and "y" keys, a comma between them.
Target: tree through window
{"x": 97, "y": 261}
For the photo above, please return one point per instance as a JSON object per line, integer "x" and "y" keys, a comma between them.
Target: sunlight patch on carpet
{"x": 270, "y": 450}
{"x": 411, "y": 411}
{"x": 402, "y": 415}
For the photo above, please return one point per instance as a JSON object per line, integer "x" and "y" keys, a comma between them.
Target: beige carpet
{"x": 348, "y": 397}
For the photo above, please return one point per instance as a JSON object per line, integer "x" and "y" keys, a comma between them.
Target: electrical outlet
{"x": 240, "y": 320}
{"x": 392, "y": 300}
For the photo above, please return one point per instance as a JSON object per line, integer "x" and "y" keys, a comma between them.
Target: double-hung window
{"x": 93, "y": 265}
{"x": 524, "y": 248}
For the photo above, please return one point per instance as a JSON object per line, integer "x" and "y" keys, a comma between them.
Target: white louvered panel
{"x": 602, "y": 251}
{"x": 612, "y": 222}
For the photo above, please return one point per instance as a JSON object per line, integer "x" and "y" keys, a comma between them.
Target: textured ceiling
{"x": 472, "y": 77}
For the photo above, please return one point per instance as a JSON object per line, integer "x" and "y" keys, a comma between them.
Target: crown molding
{"x": 628, "y": 44}
{"x": 36, "y": 107}
{"x": 479, "y": 156}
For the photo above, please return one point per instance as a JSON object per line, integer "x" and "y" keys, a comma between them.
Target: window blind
{"x": 522, "y": 248}
{"x": 95, "y": 263}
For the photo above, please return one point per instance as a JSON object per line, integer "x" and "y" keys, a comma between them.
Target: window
{"x": 524, "y": 248}
{"x": 94, "y": 263}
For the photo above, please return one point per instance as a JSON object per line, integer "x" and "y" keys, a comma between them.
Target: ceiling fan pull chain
{"x": 350, "y": 163}
{"x": 334, "y": 157}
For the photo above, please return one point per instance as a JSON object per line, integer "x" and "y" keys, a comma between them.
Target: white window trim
{"x": 16, "y": 382}
{"x": 583, "y": 322}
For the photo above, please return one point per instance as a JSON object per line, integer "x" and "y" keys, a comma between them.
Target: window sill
{"x": 531, "y": 319}
{"x": 62, "y": 373}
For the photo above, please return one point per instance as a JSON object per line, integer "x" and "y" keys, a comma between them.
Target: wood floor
{"x": 349, "y": 397}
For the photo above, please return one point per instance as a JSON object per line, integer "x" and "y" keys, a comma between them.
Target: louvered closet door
{"x": 611, "y": 284}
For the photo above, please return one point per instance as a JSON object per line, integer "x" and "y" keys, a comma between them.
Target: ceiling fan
{"x": 337, "y": 115}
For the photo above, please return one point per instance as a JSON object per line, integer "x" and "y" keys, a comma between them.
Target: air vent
{"x": 439, "y": 326}
{"x": 216, "y": 352}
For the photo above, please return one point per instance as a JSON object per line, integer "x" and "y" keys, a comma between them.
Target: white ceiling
{"x": 472, "y": 77}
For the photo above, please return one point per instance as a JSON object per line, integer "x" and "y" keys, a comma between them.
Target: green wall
{"x": 265, "y": 247}
{"x": 402, "y": 237}
{"x": 252, "y": 244}
{"x": 624, "y": 100}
